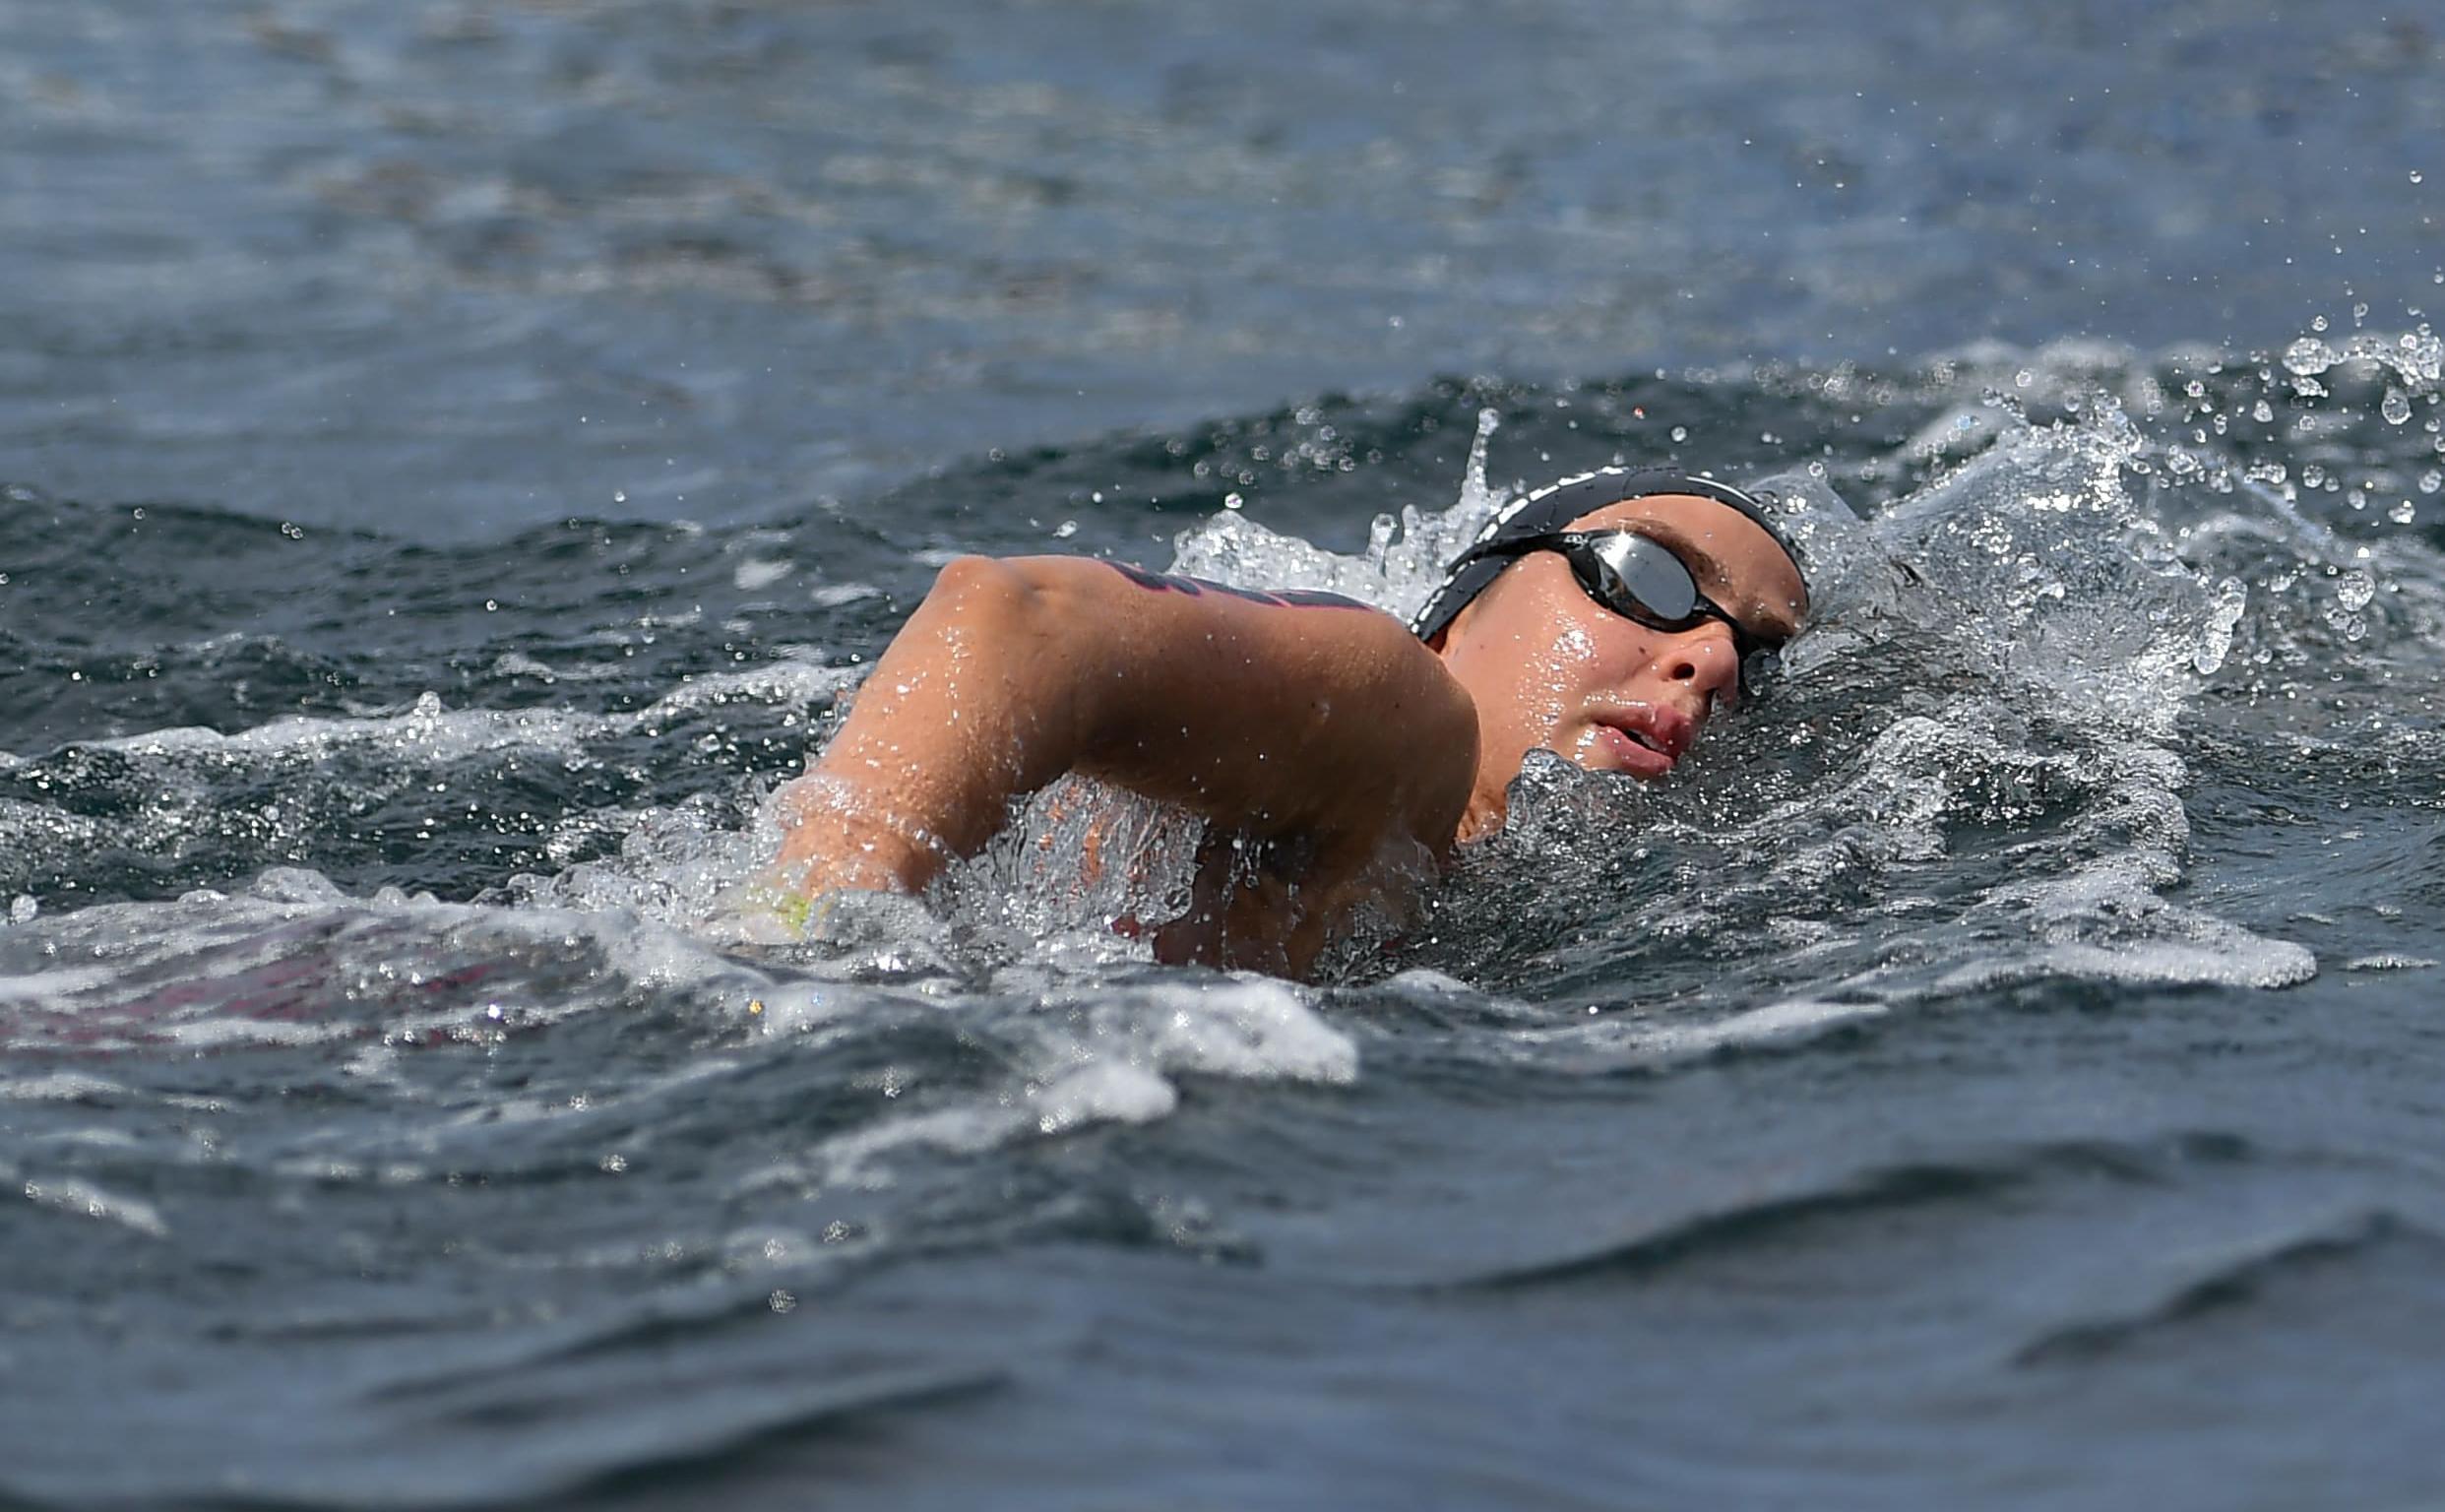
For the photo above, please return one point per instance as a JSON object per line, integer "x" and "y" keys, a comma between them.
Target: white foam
{"x": 1091, "y": 1052}
{"x": 831, "y": 595}
{"x": 853, "y": 1159}
{"x": 92, "y": 1137}
{"x": 1426, "y": 983}
{"x": 1789, "y": 1020}
{"x": 2389, "y": 961}
{"x": 789, "y": 681}
{"x": 426, "y": 730}
{"x": 430, "y": 733}
{"x": 757, "y": 573}
{"x": 1256, "y": 1028}
{"x": 1107, "y": 1092}
{"x": 2258, "y": 963}
{"x": 48, "y": 989}
{"x": 86, "y": 1200}
{"x": 59, "y": 1087}
{"x": 190, "y": 974}
{"x": 227, "y": 1033}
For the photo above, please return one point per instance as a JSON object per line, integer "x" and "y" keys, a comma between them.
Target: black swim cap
{"x": 1557, "y": 504}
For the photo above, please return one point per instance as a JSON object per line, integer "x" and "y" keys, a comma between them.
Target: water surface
{"x": 456, "y": 459}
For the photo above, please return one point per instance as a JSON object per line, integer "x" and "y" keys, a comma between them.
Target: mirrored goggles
{"x": 1640, "y": 579}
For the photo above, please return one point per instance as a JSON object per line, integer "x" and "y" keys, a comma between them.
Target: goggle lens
{"x": 1638, "y": 579}
{"x": 1642, "y": 580}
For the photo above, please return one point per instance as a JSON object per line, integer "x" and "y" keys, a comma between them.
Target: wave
{"x": 455, "y": 939}
{"x": 2239, "y": 1279}
{"x": 1768, "y": 1223}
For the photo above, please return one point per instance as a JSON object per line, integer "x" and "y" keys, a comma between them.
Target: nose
{"x": 1705, "y": 658}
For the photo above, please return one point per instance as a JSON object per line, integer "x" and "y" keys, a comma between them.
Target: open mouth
{"x": 1638, "y": 752}
{"x": 1649, "y": 739}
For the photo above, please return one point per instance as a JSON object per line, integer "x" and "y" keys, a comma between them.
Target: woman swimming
{"x": 1607, "y": 618}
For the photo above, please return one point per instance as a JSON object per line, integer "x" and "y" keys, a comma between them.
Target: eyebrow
{"x": 1712, "y": 572}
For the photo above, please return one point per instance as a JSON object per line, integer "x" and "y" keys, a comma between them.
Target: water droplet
{"x": 2262, "y": 413}
{"x": 2309, "y": 357}
{"x": 1680, "y": 433}
{"x": 2404, "y": 513}
{"x": 2431, "y": 480}
{"x": 2395, "y": 408}
{"x": 2415, "y": 176}
{"x": 2318, "y": 324}
{"x": 2355, "y": 589}
{"x": 22, "y": 908}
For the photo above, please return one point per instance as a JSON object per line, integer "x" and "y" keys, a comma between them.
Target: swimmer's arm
{"x": 1279, "y": 716}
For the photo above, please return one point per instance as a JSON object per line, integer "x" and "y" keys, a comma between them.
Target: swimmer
{"x": 1608, "y": 618}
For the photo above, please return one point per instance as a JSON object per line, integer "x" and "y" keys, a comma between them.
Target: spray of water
{"x": 1973, "y": 771}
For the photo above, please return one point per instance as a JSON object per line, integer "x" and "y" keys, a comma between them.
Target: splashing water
{"x": 2112, "y": 628}
{"x": 1401, "y": 566}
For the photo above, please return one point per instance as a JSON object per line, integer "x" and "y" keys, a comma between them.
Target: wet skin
{"x": 1548, "y": 669}
{"x": 1319, "y": 733}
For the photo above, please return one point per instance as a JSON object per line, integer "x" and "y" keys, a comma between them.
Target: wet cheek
{"x": 1554, "y": 671}
{"x": 1567, "y": 665}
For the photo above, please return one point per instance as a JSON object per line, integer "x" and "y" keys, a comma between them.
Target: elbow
{"x": 992, "y": 605}
{"x": 978, "y": 583}
{"x": 1006, "y": 636}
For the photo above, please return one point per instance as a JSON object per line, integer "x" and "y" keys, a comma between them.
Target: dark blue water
{"x": 452, "y": 459}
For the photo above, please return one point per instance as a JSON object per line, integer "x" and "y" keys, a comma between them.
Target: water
{"x": 458, "y": 457}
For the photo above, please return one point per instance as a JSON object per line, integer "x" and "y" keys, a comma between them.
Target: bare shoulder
{"x": 1288, "y": 709}
{"x": 1391, "y": 736}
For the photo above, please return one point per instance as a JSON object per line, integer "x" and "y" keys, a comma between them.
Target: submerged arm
{"x": 1279, "y": 715}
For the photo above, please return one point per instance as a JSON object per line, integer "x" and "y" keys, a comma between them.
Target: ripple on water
{"x": 458, "y": 993}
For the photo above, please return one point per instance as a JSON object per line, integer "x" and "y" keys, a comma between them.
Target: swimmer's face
{"x": 1552, "y": 670}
